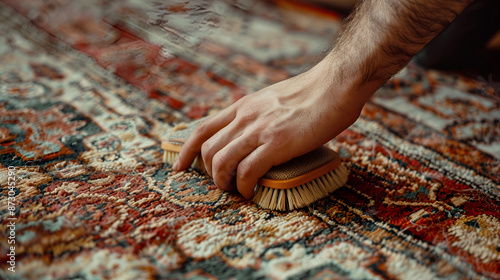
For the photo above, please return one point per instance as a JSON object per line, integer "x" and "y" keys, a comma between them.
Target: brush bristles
{"x": 171, "y": 156}
{"x": 285, "y": 199}
{"x": 303, "y": 195}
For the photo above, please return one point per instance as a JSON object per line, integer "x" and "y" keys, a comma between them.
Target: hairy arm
{"x": 381, "y": 36}
{"x": 295, "y": 116}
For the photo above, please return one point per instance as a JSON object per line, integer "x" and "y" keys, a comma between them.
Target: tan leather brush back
{"x": 302, "y": 169}
{"x": 302, "y": 164}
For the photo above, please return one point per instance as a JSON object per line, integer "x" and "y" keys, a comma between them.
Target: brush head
{"x": 291, "y": 185}
{"x": 301, "y": 169}
{"x": 301, "y": 181}
{"x": 175, "y": 138}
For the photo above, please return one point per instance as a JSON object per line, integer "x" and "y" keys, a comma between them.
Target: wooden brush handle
{"x": 171, "y": 146}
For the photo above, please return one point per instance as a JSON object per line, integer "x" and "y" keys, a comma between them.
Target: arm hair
{"x": 381, "y": 36}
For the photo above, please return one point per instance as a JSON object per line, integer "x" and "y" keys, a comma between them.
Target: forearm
{"x": 381, "y": 36}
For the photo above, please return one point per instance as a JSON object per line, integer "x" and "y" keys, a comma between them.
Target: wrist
{"x": 344, "y": 80}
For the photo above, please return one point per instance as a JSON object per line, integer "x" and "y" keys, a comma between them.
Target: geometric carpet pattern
{"x": 86, "y": 98}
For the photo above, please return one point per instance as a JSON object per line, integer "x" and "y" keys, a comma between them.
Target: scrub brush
{"x": 175, "y": 139}
{"x": 301, "y": 180}
{"x": 291, "y": 185}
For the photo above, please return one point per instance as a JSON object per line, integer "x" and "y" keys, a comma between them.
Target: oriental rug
{"x": 87, "y": 95}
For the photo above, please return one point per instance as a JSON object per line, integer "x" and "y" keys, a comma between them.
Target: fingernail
{"x": 176, "y": 165}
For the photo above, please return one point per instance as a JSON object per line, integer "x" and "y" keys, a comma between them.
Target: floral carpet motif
{"x": 85, "y": 194}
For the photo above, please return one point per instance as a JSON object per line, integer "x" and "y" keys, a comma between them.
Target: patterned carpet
{"x": 88, "y": 89}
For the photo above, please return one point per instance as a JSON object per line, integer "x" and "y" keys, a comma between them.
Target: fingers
{"x": 216, "y": 143}
{"x": 225, "y": 162}
{"x": 203, "y": 131}
{"x": 251, "y": 168}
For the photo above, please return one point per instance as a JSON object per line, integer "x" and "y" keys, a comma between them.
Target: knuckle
{"x": 243, "y": 100}
{"x": 247, "y": 113}
{"x": 201, "y": 128}
{"x": 206, "y": 150}
{"x": 246, "y": 145}
{"x": 275, "y": 139}
{"x": 222, "y": 175}
{"x": 266, "y": 137}
{"x": 222, "y": 180}
{"x": 218, "y": 162}
{"x": 244, "y": 171}
{"x": 244, "y": 119}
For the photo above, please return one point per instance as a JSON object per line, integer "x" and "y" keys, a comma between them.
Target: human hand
{"x": 290, "y": 118}
{"x": 269, "y": 127}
